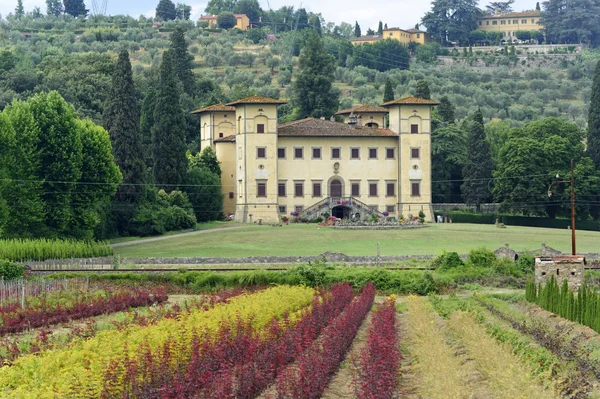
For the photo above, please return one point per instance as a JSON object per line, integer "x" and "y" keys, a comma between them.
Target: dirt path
{"x": 340, "y": 386}
{"x": 161, "y": 238}
{"x": 409, "y": 381}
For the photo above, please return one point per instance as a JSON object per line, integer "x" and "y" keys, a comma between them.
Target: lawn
{"x": 304, "y": 240}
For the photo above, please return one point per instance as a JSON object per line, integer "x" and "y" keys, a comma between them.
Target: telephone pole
{"x": 572, "y": 182}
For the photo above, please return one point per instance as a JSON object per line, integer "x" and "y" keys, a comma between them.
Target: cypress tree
{"x": 26, "y": 216}
{"x": 446, "y": 110}
{"x": 19, "y": 10}
{"x": 357, "y": 32}
{"x": 380, "y": 28}
{"x": 423, "y": 90}
{"x": 388, "y": 91}
{"x": 313, "y": 90}
{"x": 121, "y": 118}
{"x": 183, "y": 61}
{"x": 7, "y": 160}
{"x": 478, "y": 169}
{"x": 146, "y": 123}
{"x": 168, "y": 132}
{"x": 593, "y": 133}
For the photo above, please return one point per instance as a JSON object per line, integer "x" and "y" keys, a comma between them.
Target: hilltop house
{"x": 242, "y": 21}
{"x": 313, "y": 166}
{"x": 404, "y": 36}
{"x": 510, "y": 23}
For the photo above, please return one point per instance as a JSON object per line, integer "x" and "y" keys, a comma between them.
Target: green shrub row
{"x": 582, "y": 307}
{"x": 513, "y": 220}
{"x": 10, "y": 270}
{"x": 23, "y": 250}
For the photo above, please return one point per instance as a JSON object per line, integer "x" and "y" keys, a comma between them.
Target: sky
{"x": 397, "y": 13}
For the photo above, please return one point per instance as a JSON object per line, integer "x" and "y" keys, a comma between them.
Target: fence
{"x": 18, "y": 290}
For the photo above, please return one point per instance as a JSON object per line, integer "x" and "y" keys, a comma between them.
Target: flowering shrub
{"x": 62, "y": 309}
{"x": 295, "y": 213}
{"x": 386, "y": 214}
{"x": 80, "y": 369}
{"x": 315, "y": 366}
{"x": 238, "y": 361}
{"x": 377, "y": 376}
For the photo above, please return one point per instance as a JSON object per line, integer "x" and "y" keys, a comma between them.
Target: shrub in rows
{"x": 23, "y": 250}
{"x": 14, "y": 319}
{"x": 236, "y": 362}
{"x": 582, "y": 308}
{"x": 78, "y": 370}
{"x": 315, "y": 366}
{"x": 377, "y": 376}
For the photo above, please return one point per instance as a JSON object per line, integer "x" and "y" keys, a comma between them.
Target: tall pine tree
{"x": 357, "y": 32}
{"x": 388, "y": 91}
{"x": 313, "y": 94}
{"x": 593, "y": 133}
{"x": 478, "y": 168}
{"x": 168, "y": 131}
{"x": 446, "y": 110}
{"x": 380, "y": 28}
{"x": 19, "y": 10}
{"x": 183, "y": 61}
{"x": 423, "y": 90}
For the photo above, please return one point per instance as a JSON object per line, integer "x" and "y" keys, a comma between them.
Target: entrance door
{"x": 335, "y": 188}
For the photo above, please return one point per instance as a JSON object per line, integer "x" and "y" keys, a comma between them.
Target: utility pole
{"x": 572, "y": 182}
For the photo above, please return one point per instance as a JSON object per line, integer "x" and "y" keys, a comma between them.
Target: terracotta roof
{"x": 363, "y": 108}
{"x": 367, "y": 38}
{"x": 413, "y": 30}
{"x": 228, "y": 139}
{"x": 326, "y": 128}
{"x": 215, "y": 107}
{"x": 206, "y": 17}
{"x": 411, "y": 100}
{"x": 258, "y": 100}
{"x": 514, "y": 15}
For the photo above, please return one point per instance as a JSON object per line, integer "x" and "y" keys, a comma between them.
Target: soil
{"x": 409, "y": 380}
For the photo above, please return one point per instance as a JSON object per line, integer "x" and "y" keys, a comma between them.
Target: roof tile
{"x": 220, "y": 107}
{"x": 411, "y": 100}
{"x": 258, "y": 100}
{"x": 325, "y": 128}
{"x": 228, "y": 139}
{"x": 363, "y": 108}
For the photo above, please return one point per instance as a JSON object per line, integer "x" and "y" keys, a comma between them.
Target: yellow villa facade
{"x": 242, "y": 21}
{"x": 315, "y": 166}
{"x": 404, "y": 36}
{"x": 510, "y": 23}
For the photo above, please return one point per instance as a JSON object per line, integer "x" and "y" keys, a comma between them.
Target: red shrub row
{"x": 377, "y": 376}
{"x": 44, "y": 316}
{"x": 315, "y": 367}
{"x": 238, "y": 362}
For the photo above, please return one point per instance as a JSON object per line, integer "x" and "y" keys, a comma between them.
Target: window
{"x": 355, "y": 189}
{"x": 391, "y": 34}
{"x": 299, "y": 189}
{"x": 261, "y": 189}
{"x": 415, "y": 189}
{"x": 515, "y": 21}
{"x": 390, "y": 209}
{"x": 298, "y": 152}
{"x": 282, "y": 209}
{"x": 414, "y": 128}
{"x": 231, "y": 195}
{"x": 281, "y": 189}
{"x": 220, "y": 135}
{"x": 299, "y": 208}
{"x": 372, "y": 189}
{"x": 390, "y": 189}
{"x": 240, "y": 188}
{"x": 508, "y": 21}
{"x": 372, "y": 153}
{"x": 354, "y": 153}
{"x": 260, "y": 128}
{"x": 487, "y": 22}
{"x": 479, "y": 23}
{"x": 523, "y": 21}
{"x": 390, "y": 153}
{"x": 316, "y": 153}
{"x": 335, "y": 153}
{"x": 418, "y": 35}
{"x": 415, "y": 153}
{"x": 316, "y": 189}
{"x": 281, "y": 153}
{"x": 261, "y": 152}
{"x": 494, "y": 22}
{"x": 503, "y": 22}
{"x": 533, "y": 21}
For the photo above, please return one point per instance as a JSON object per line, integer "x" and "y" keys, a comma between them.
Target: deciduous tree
{"x": 165, "y": 10}
{"x": 54, "y": 7}
{"x": 451, "y": 20}
{"x": 446, "y": 110}
{"x": 75, "y": 8}
{"x": 423, "y": 90}
{"x": 226, "y": 20}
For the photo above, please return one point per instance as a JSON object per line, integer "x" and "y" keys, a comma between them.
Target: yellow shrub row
{"x": 55, "y": 373}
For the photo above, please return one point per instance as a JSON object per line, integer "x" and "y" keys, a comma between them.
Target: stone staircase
{"x": 327, "y": 204}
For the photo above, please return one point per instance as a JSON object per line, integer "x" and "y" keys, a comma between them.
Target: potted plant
{"x": 284, "y": 219}
{"x": 421, "y": 217}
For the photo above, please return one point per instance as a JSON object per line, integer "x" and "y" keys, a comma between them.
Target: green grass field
{"x": 304, "y": 240}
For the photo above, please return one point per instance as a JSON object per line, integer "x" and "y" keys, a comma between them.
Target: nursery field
{"x": 305, "y": 240}
{"x": 298, "y": 342}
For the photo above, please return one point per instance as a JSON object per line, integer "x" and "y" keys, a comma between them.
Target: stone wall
{"x": 570, "y": 268}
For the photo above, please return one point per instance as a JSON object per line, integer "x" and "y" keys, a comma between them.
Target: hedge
{"x": 513, "y": 220}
